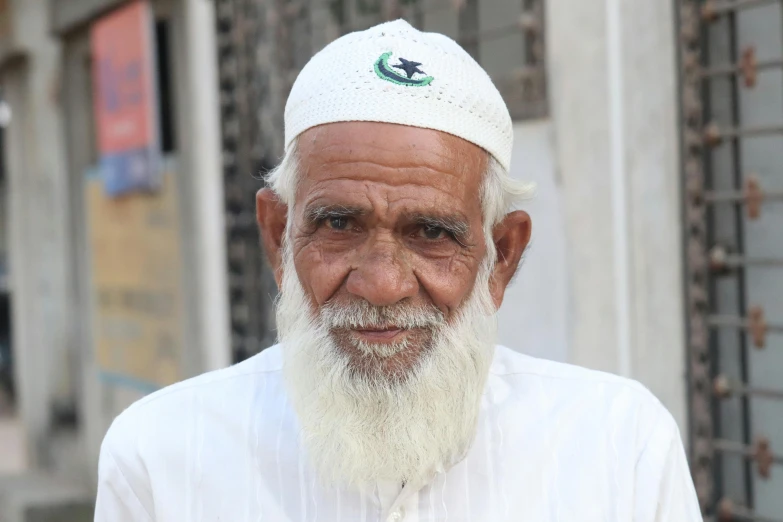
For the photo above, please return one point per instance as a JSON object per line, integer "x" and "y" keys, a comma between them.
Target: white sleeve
{"x": 664, "y": 489}
{"x": 117, "y": 501}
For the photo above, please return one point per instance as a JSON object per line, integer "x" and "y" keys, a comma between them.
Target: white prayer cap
{"x": 394, "y": 73}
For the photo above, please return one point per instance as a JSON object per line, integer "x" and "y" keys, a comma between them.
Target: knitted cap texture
{"x": 394, "y": 73}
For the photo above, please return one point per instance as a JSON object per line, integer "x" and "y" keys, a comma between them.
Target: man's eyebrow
{"x": 455, "y": 224}
{"x": 316, "y": 213}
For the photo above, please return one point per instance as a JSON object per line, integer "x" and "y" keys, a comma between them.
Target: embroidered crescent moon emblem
{"x": 385, "y": 71}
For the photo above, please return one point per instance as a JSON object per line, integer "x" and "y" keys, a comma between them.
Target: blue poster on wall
{"x": 134, "y": 170}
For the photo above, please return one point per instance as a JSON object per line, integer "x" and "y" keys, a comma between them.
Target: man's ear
{"x": 511, "y": 237}
{"x": 271, "y": 215}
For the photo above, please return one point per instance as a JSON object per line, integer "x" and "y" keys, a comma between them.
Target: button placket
{"x": 408, "y": 497}
{"x": 397, "y": 515}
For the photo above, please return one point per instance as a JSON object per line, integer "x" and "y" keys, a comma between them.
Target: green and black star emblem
{"x": 412, "y": 76}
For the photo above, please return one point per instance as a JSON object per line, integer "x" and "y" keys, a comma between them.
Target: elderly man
{"x": 388, "y": 228}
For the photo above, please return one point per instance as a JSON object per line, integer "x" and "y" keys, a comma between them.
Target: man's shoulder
{"x": 225, "y": 389}
{"x": 566, "y": 387}
{"x": 508, "y": 363}
{"x": 241, "y": 374}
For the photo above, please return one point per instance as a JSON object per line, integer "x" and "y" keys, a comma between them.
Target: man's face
{"x": 388, "y": 216}
{"x": 387, "y": 296}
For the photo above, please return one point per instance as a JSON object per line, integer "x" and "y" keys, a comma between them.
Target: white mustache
{"x": 359, "y": 314}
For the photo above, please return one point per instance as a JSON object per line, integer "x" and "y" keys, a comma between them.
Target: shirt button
{"x": 395, "y": 517}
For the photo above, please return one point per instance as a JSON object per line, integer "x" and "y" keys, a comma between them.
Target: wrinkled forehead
{"x": 348, "y": 156}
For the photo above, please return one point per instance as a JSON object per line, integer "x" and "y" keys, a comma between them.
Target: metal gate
{"x": 731, "y": 58}
{"x": 262, "y": 45}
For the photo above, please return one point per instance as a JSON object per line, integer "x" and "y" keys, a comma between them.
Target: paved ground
{"x": 13, "y": 454}
{"x": 27, "y": 496}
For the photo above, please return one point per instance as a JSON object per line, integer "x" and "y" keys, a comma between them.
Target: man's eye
{"x": 337, "y": 223}
{"x": 433, "y": 233}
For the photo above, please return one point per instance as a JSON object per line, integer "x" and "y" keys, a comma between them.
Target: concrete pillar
{"x": 38, "y": 220}
{"x": 612, "y": 80}
{"x": 203, "y": 157}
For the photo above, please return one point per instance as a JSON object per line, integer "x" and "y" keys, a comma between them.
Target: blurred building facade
{"x": 111, "y": 297}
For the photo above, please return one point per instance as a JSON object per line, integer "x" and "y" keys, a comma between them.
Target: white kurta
{"x": 554, "y": 443}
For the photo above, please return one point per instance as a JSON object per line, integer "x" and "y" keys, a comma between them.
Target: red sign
{"x": 126, "y": 98}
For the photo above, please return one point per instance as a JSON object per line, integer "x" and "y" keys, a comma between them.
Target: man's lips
{"x": 378, "y": 334}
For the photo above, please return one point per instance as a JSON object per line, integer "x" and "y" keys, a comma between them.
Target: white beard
{"x": 359, "y": 428}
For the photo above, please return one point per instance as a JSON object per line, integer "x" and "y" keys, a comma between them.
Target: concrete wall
{"x": 534, "y": 318}
{"x": 67, "y": 15}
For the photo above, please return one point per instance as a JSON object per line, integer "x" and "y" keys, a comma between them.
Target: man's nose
{"x": 382, "y": 276}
